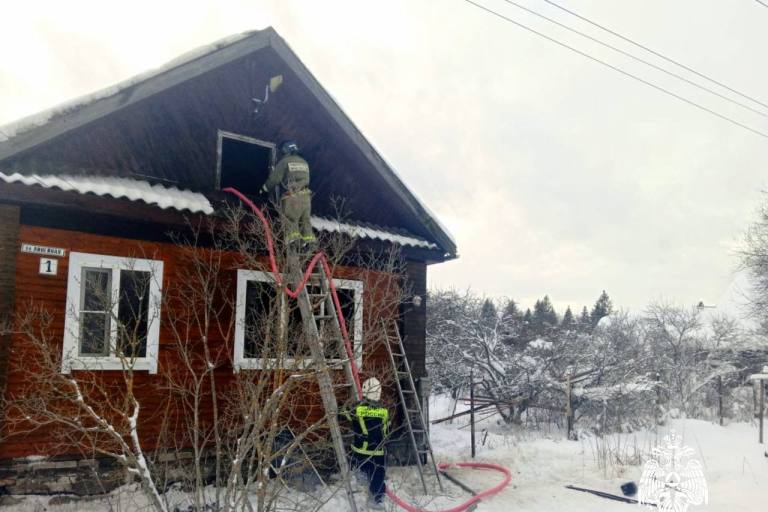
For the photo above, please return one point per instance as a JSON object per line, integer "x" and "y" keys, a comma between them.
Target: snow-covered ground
{"x": 543, "y": 464}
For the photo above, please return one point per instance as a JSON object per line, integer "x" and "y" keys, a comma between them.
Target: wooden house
{"x": 89, "y": 184}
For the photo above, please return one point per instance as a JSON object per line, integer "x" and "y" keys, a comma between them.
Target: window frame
{"x": 78, "y": 262}
{"x": 223, "y": 134}
{"x": 355, "y": 328}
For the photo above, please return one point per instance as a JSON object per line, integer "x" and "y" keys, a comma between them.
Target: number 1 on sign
{"x": 48, "y": 266}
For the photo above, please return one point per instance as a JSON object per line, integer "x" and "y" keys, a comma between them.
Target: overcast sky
{"x": 555, "y": 175}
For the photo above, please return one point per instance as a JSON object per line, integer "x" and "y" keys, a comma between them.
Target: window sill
{"x": 108, "y": 364}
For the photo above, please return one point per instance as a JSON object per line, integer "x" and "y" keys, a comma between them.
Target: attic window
{"x": 243, "y": 162}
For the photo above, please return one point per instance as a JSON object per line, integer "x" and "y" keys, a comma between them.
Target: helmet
{"x": 289, "y": 147}
{"x": 372, "y": 389}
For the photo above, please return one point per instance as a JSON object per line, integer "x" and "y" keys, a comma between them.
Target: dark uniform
{"x": 292, "y": 172}
{"x": 370, "y": 424}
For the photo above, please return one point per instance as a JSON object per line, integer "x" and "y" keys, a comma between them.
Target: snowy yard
{"x": 733, "y": 461}
{"x": 542, "y": 465}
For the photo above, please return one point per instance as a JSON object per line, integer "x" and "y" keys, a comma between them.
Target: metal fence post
{"x": 472, "y": 411}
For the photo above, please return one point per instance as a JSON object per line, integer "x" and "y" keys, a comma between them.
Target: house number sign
{"x": 49, "y": 266}
{"x": 43, "y": 250}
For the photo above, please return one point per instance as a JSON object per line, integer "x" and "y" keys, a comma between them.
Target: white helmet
{"x": 372, "y": 389}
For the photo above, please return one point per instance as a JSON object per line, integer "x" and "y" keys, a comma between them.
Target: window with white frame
{"x": 113, "y": 313}
{"x": 268, "y": 323}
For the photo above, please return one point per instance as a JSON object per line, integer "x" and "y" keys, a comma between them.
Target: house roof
{"x": 195, "y": 202}
{"x": 119, "y": 188}
{"x": 25, "y": 135}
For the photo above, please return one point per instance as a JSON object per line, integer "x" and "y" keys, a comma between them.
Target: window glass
{"x": 113, "y": 313}
{"x": 95, "y": 312}
{"x": 133, "y": 312}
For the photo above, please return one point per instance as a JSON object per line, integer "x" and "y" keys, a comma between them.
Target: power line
{"x": 618, "y": 70}
{"x": 762, "y": 3}
{"x": 647, "y": 63}
{"x": 660, "y": 55}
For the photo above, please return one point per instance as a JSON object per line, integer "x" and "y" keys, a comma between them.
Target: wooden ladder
{"x": 313, "y": 319}
{"x": 414, "y": 416}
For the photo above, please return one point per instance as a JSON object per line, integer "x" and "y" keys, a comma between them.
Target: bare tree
{"x": 91, "y": 412}
{"x": 754, "y": 259}
{"x": 231, "y": 440}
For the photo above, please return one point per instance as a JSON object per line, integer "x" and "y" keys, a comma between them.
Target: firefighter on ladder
{"x": 370, "y": 424}
{"x": 292, "y": 174}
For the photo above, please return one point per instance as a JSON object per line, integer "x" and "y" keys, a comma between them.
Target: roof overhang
{"x": 143, "y": 199}
{"x": 35, "y": 130}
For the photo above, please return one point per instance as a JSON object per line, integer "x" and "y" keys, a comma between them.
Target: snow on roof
{"x": 372, "y": 232}
{"x": 133, "y": 190}
{"x": 172, "y": 197}
{"x": 25, "y": 124}
{"x": 732, "y": 303}
{"x": 605, "y": 322}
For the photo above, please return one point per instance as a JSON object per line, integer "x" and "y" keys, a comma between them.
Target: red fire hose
{"x": 320, "y": 258}
{"x": 443, "y": 466}
{"x": 317, "y": 258}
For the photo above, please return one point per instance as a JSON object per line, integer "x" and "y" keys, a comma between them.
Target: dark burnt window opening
{"x": 261, "y": 310}
{"x": 243, "y": 162}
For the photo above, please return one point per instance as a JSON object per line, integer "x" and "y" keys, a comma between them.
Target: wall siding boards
{"x": 414, "y": 325}
{"x": 50, "y": 293}
{"x": 9, "y": 245}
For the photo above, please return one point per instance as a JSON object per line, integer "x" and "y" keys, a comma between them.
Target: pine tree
{"x": 544, "y": 317}
{"x": 488, "y": 314}
{"x": 603, "y": 307}
{"x": 585, "y": 322}
{"x": 512, "y": 323}
{"x": 568, "y": 323}
{"x": 511, "y": 311}
{"x": 526, "y": 328}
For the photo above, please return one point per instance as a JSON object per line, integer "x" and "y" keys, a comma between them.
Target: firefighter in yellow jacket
{"x": 370, "y": 424}
{"x": 292, "y": 174}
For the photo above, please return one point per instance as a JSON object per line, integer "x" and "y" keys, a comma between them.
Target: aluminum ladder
{"x": 314, "y": 322}
{"x": 414, "y": 416}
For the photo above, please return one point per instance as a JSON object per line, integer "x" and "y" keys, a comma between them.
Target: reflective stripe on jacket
{"x": 370, "y": 423}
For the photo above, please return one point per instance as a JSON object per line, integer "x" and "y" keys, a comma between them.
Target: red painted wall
{"x": 49, "y": 292}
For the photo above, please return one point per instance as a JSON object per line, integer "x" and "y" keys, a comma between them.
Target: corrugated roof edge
{"x": 372, "y": 232}
{"x": 179, "y": 199}
{"x": 118, "y": 188}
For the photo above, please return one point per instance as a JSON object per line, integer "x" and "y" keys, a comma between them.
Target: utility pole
{"x": 762, "y": 407}
{"x": 759, "y": 380}
{"x": 569, "y": 407}
{"x": 720, "y": 398}
{"x": 472, "y": 411}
